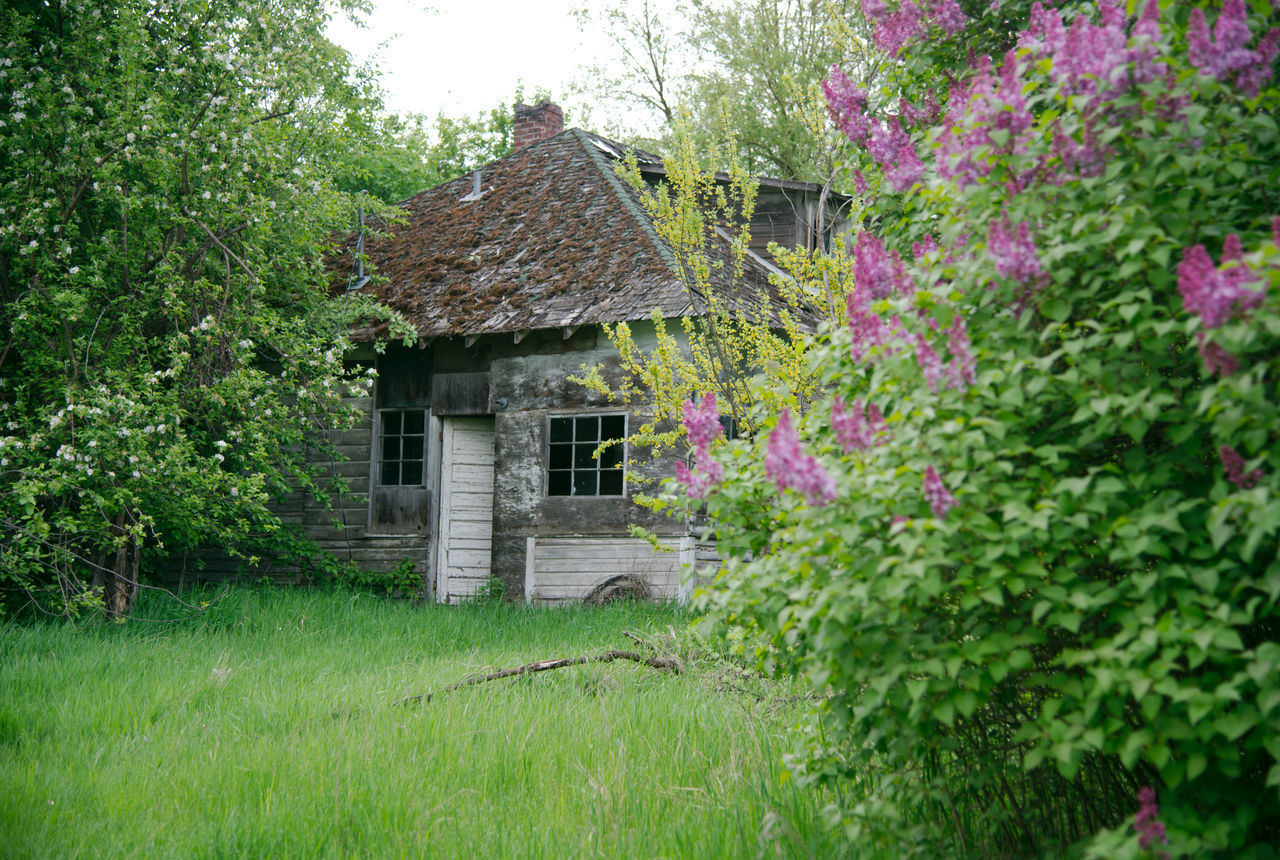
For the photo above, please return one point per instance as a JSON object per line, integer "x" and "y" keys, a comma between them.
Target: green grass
{"x": 268, "y": 726}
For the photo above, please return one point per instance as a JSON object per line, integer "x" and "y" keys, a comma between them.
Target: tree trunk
{"x": 116, "y": 576}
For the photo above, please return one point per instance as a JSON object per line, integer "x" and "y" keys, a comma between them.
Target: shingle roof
{"x": 556, "y": 239}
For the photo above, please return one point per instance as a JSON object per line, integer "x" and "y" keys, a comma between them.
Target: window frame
{"x": 380, "y": 459}
{"x": 573, "y": 469}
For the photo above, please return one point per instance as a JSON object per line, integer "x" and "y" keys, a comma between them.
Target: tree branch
{"x": 666, "y": 664}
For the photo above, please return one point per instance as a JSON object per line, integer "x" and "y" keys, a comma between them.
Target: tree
{"x": 749, "y": 71}
{"x": 405, "y": 155}
{"x": 1026, "y": 537}
{"x": 170, "y": 341}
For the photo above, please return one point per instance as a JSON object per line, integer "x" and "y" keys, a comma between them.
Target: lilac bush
{"x": 1050, "y": 576}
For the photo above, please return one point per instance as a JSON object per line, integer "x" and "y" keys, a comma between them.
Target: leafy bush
{"x": 1029, "y": 543}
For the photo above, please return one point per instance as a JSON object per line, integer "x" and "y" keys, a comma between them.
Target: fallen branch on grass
{"x": 666, "y": 664}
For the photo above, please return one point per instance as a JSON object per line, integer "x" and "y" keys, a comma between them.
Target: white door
{"x": 465, "y": 534}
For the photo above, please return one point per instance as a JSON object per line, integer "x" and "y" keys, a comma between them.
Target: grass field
{"x": 269, "y": 727}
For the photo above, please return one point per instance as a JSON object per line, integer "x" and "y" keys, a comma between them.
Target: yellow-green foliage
{"x": 726, "y": 340}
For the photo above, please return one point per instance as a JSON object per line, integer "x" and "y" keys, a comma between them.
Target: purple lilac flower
{"x": 923, "y": 248}
{"x": 1214, "y": 294}
{"x": 948, "y": 15}
{"x": 877, "y": 271}
{"x": 891, "y": 148}
{"x": 856, "y": 431}
{"x": 702, "y": 424}
{"x": 874, "y": 10}
{"x": 1233, "y": 465}
{"x": 895, "y": 30}
{"x": 867, "y": 328}
{"x": 961, "y": 370}
{"x": 1216, "y": 359}
{"x": 1078, "y": 159}
{"x": 927, "y": 358}
{"x": 936, "y": 494}
{"x": 1015, "y": 254}
{"x": 1144, "y": 45}
{"x": 988, "y": 104}
{"x": 860, "y": 183}
{"x": 1147, "y": 820}
{"x": 924, "y": 114}
{"x": 1225, "y": 54}
{"x": 847, "y": 105}
{"x": 789, "y": 467}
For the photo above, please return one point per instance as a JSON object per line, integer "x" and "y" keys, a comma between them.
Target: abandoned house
{"x": 476, "y": 459}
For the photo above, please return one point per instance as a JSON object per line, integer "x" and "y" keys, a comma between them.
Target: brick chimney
{"x": 535, "y": 123}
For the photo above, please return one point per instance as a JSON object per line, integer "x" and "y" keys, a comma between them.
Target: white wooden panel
{"x": 570, "y": 568}
{"x": 466, "y": 507}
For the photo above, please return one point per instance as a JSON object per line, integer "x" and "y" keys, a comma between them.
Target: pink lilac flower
{"x": 1225, "y": 54}
{"x": 878, "y": 272}
{"x": 789, "y": 467}
{"x": 1015, "y": 254}
{"x": 1147, "y": 821}
{"x": 1233, "y": 465}
{"x": 961, "y": 370}
{"x": 936, "y": 494}
{"x": 847, "y": 105}
{"x": 702, "y": 424}
{"x": 856, "y": 431}
{"x": 927, "y": 358}
{"x": 1216, "y": 359}
{"x": 1212, "y": 293}
{"x": 867, "y": 328}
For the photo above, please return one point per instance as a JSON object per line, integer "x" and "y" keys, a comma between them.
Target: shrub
{"x": 1029, "y": 543}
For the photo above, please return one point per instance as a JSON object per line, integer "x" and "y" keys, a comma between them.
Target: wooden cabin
{"x": 474, "y": 461}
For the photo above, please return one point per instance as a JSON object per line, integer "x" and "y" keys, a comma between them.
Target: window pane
{"x": 391, "y": 448}
{"x": 582, "y": 458}
{"x": 412, "y": 448}
{"x": 390, "y": 423}
{"x": 561, "y": 456}
{"x": 411, "y": 473}
{"x": 559, "y": 483}
{"x": 561, "y": 430}
{"x": 611, "y": 457}
{"x": 588, "y": 429}
{"x": 584, "y": 483}
{"x": 611, "y": 483}
{"x": 390, "y": 474}
{"x": 613, "y": 426}
{"x": 413, "y": 422}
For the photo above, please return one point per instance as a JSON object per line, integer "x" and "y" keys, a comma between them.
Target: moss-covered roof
{"x": 555, "y": 239}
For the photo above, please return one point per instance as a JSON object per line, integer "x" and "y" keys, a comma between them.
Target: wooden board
{"x": 559, "y": 569}
{"x": 466, "y": 507}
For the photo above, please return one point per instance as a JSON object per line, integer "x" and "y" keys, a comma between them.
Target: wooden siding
{"x": 560, "y": 569}
{"x": 466, "y": 508}
{"x": 460, "y": 394}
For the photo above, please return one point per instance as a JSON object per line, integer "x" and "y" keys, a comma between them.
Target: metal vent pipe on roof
{"x": 476, "y": 193}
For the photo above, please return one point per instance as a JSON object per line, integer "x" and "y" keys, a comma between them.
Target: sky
{"x": 466, "y": 56}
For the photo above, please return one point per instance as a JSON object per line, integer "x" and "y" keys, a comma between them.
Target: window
{"x": 572, "y": 470}
{"x": 402, "y": 447}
